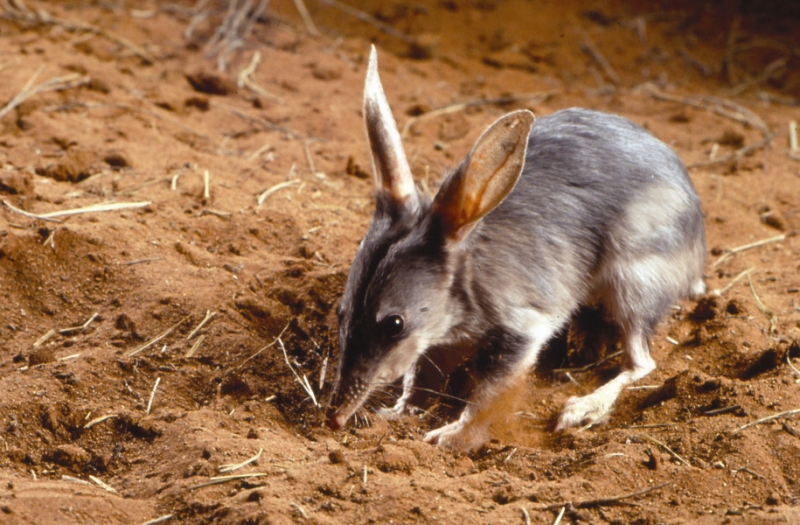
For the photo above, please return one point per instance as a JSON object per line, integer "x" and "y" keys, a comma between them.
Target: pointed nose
{"x": 336, "y": 421}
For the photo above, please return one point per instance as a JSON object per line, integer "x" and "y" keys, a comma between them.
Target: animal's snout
{"x": 336, "y": 420}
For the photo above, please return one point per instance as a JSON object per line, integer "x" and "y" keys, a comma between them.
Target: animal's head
{"x": 395, "y": 304}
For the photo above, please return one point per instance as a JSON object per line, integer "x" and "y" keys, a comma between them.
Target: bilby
{"x": 540, "y": 218}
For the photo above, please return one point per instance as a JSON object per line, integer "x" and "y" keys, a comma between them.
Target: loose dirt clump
{"x": 169, "y": 358}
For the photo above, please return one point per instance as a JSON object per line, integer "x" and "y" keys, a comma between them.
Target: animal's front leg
{"x": 505, "y": 359}
{"x": 401, "y": 404}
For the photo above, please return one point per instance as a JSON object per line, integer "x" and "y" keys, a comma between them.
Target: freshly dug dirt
{"x": 251, "y": 195}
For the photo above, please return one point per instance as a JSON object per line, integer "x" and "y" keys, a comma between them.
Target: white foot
{"x": 581, "y": 411}
{"x": 394, "y": 413}
{"x": 458, "y": 435}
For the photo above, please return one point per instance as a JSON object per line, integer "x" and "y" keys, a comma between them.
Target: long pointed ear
{"x": 389, "y": 164}
{"x": 486, "y": 176}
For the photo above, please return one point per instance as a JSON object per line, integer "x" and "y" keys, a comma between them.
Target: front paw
{"x": 394, "y": 413}
{"x": 581, "y": 411}
{"x": 457, "y": 435}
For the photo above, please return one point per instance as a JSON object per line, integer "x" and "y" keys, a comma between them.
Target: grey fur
{"x": 603, "y": 212}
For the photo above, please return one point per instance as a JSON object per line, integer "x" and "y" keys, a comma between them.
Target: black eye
{"x": 393, "y": 326}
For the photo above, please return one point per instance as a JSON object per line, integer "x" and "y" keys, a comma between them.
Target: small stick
{"x": 525, "y": 515}
{"x": 704, "y": 69}
{"x": 225, "y": 479}
{"x": 273, "y": 189}
{"x": 28, "y": 214}
{"x": 730, "y": 253}
{"x": 724, "y": 410}
{"x": 560, "y": 515}
{"x": 794, "y": 369}
{"x": 68, "y": 357}
{"x": 768, "y": 418}
{"x": 142, "y": 261}
{"x": 364, "y": 17}
{"x": 309, "y": 159}
{"x": 236, "y": 466}
{"x": 268, "y": 346}
{"x": 672, "y": 341}
{"x": 533, "y": 98}
{"x": 793, "y": 143}
{"x": 51, "y": 239}
{"x": 102, "y": 484}
{"x": 738, "y": 154}
{"x": 600, "y": 502}
{"x": 195, "y": 346}
{"x": 206, "y": 189}
{"x": 75, "y": 211}
{"x": 510, "y": 455}
{"x": 304, "y": 380}
{"x": 75, "y": 480}
{"x": 590, "y": 48}
{"x": 771, "y": 317}
{"x": 364, "y": 479}
{"x": 665, "y": 447}
{"x": 763, "y": 76}
{"x": 312, "y": 30}
{"x": 245, "y": 79}
{"x": 160, "y": 337}
{"x": 300, "y": 510}
{"x": 54, "y": 84}
{"x": 209, "y": 316}
{"x": 84, "y": 326}
{"x": 735, "y": 280}
{"x": 42, "y": 340}
{"x": 160, "y": 519}
{"x": 324, "y": 370}
{"x": 99, "y": 420}
{"x": 152, "y": 395}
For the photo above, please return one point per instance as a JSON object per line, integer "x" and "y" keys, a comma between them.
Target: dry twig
{"x": 245, "y": 79}
{"x": 364, "y": 17}
{"x": 236, "y": 466}
{"x": 152, "y": 395}
{"x": 735, "y": 280}
{"x": 209, "y": 316}
{"x": 590, "y": 48}
{"x": 304, "y": 380}
{"x": 532, "y": 98}
{"x": 307, "y": 20}
{"x": 98, "y": 420}
{"x": 665, "y": 447}
{"x": 84, "y": 326}
{"x": 225, "y": 479}
{"x": 771, "y": 317}
{"x": 54, "y": 84}
{"x": 266, "y": 193}
{"x": 768, "y": 418}
{"x": 159, "y": 519}
{"x": 749, "y": 246}
{"x": 160, "y": 336}
{"x": 234, "y": 30}
{"x": 102, "y": 484}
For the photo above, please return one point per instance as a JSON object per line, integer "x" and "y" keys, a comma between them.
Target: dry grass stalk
{"x": 98, "y": 420}
{"x": 304, "y": 380}
{"x": 309, "y": 158}
{"x": 84, "y": 326}
{"x": 68, "y": 357}
{"x": 152, "y": 395}
{"x": 195, "y": 346}
{"x": 142, "y": 261}
{"x": 161, "y": 336}
{"x": 42, "y": 340}
{"x": 794, "y": 369}
{"x": 307, "y": 20}
{"x": 323, "y": 371}
{"x": 742, "y": 275}
{"x": 771, "y": 317}
{"x": 525, "y": 515}
{"x": 237, "y": 466}
{"x": 794, "y": 148}
{"x": 206, "y": 185}
{"x": 771, "y": 68}
{"x": 54, "y": 84}
{"x": 209, "y": 316}
{"x": 74, "y": 480}
{"x": 364, "y": 477}
{"x": 768, "y": 418}
{"x": 693, "y": 61}
{"x": 103, "y": 485}
{"x": 234, "y": 30}
{"x": 266, "y": 193}
{"x": 736, "y": 155}
{"x": 51, "y": 239}
{"x": 159, "y": 519}
{"x": 665, "y": 447}
{"x": 225, "y": 479}
{"x": 300, "y": 510}
{"x": 590, "y": 365}
{"x": 28, "y": 214}
{"x": 590, "y": 48}
{"x": 364, "y": 17}
{"x": 268, "y": 126}
{"x": 245, "y": 79}
{"x": 267, "y": 346}
{"x": 603, "y": 502}
{"x": 560, "y": 516}
{"x": 743, "y": 248}
{"x": 532, "y": 98}
{"x": 17, "y": 11}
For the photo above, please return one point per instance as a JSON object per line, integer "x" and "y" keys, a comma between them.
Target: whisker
{"x": 441, "y": 394}
{"x": 434, "y": 364}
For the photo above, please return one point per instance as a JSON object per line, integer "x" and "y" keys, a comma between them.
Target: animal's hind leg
{"x": 593, "y": 407}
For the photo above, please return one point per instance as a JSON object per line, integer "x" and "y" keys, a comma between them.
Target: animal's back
{"x": 597, "y": 191}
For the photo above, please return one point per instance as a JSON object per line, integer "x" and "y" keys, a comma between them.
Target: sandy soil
{"x": 104, "y": 374}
